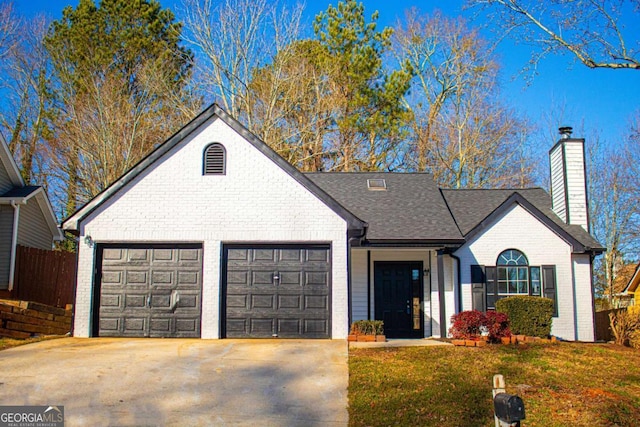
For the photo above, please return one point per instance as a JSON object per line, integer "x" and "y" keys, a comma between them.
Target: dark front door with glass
{"x": 398, "y": 288}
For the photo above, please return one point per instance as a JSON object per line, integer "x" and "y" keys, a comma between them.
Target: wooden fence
{"x": 47, "y": 277}
{"x": 603, "y": 326}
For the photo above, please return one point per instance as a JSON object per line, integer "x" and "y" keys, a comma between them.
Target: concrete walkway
{"x": 144, "y": 382}
{"x": 424, "y": 342}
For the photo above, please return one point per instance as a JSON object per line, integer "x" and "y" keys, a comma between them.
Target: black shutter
{"x": 478, "y": 294}
{"x": 492, "y": 287}
{"x": 549, "y": 285}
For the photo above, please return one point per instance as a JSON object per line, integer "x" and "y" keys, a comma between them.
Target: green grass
{"x": 564, "y": 384}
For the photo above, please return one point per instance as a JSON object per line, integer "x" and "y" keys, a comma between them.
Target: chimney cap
{"x": 565, "y": 131}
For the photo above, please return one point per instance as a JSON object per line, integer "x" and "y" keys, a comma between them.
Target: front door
{"x": 398, "y": 298}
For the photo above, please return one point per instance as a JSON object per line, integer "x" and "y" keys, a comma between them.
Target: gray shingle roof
{"x": 471, "y": 207}
{"x": 411, "y": 209}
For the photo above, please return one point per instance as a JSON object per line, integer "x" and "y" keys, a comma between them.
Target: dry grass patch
{"x": 6, "y": 343}
{"x": 563, "y": 384}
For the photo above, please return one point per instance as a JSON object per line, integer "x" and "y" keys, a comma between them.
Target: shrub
{"x": 624, "y": 326}
{"x": 634, "y": 339}
{"x": 466, "y": 324}
{"x": 367, "y": 327}
{"x": 498, "y": 325}
{"x": 528, "y": 315}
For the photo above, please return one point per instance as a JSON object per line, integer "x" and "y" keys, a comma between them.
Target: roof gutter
{"x": 14, "y": 239}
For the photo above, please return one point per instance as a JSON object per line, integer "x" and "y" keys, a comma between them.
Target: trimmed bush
{"x": 528, "y": 315}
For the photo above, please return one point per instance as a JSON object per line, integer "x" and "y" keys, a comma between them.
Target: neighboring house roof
{"x": 410, "y": 210}
{"x": 21, "y": 193}
{"x": 25, "y": 192}
{"x": 356, "y": 226}
{"x": 632, "y": 286}
{"x": 474, "y": 209}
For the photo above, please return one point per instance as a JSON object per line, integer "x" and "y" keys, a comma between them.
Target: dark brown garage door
{"x": 281, "y": 291}
{"x": 150, "y": 291}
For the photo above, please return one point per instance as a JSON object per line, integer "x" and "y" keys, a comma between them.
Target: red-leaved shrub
{"x": 466, "y": 324}
{"x": 469, "y": 324}
{"x": 498, "y": 324}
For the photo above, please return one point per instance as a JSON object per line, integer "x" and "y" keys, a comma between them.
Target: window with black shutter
{"x": 214, "y": 162}
{"x": 512, "y": 275}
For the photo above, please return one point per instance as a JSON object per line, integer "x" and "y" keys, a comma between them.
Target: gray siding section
{"x": 6, "y": 228}
{"x": 576, "y": 184}
{"x": 5, "y": 182}
{"x": 558, "y": 190}
{"x": 33, "y": 230}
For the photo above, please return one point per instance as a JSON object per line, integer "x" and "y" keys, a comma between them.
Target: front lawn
{"x": 562, "y": 384}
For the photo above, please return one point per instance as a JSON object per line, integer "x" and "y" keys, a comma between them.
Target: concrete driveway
{"x": 149, "y": 382}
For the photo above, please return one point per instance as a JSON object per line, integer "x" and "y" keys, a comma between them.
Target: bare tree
{"x": 590, "y": 30}
{"x": 9, "y": 24}
{"x": 613, "y": 211}
{"x": 293, "y": 104}
{"x": 26, "y": 111}
{"x": 233, "y": 38}
{"x": 462, "y": 134}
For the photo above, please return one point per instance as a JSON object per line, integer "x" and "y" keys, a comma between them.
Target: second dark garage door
{"x": 277, "y": 290}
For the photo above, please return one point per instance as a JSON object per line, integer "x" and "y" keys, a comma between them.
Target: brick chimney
{"x": 568, "y": 179}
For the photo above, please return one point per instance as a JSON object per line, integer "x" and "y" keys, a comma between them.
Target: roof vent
{"x": 377, "y": 184}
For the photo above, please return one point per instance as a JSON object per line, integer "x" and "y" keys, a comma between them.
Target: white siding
{"x": 517, "y": 229}
{"x": 255, "y": 201}
{"x": 567, "y": 157}
{"x": 359, "y": 284}
{"x": 576, "y": 183}
{"x": 556, "y": 161}
{"x": 430, "y": 306}
{"x": 584, "y": 297}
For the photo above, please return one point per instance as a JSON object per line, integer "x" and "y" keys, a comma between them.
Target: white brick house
{"x": 214, "y": 235}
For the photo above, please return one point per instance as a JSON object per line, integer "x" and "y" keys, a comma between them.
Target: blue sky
{"x": 602, "y": 100}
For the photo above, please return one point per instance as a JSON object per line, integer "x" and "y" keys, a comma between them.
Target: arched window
{"x": 214, "y": 162}
{"x": 515, "y": 276}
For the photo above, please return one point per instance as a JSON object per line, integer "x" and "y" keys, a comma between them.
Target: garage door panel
{"x": 137, "y": 277}
{"x": 162, "y": 278}
{"x": 186, "y": 278}
{"x": 135, "y": 301}
{"x": 149, "y": 291}
{"x": 166, "y": 255}
{"x": 262, "y": 278}
{"x": 316, "y": 326}
{"x": 135, "y": 325}
{"x": 277, "y": 290}
{"x": 261, "y": 326}
{"x": 290, "y": 255}
{"x": 317, "y": 255}
{"x": 261, "y": 301}
{"x": 289, "y": 301}
{"x": 316, "y": 302}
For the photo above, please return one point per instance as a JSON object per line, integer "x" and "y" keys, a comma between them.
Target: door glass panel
{"x": 416, "y": 313}
{"x": 415, "y": 274}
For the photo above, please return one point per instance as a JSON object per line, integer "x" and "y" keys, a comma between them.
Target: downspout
{"x": 14, "y": 243}
{"x": 458, "y": 288}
